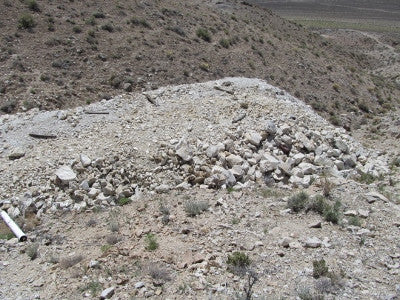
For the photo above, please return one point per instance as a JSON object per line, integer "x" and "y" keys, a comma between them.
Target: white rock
{"x": 65, "y": 174}
{"x": 85, "y": 160}
{"x": 139, "y": 285}
{"x": 313, "y": 242}
{"x": 254, "y": 138}
{"x": 363, "y": 213}
{"x": 184, "y": 153}
{"x": 233, "y": 159}
{"x": 107, "y": 293}
{"x": 270, "y": 127}
{"x": 212, "y": 151}
{"x": 298, "y": 158}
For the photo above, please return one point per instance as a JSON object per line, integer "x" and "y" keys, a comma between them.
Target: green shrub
{"x": 142, "y": 22}
{"x": 238, "y": 259}
{"x": 6, "y": 236}
{"x": 124, "y": 201}
{"x": 33, "y": 5}
{"x": 77, "y": 29}
{"x": 108, "y": 27}
{"x": 203, "y": 34}
{"x": 366, "y": 178}
{"x": 32, "y": 251}
{"x": 194, "y": 208}
{"x": 320, "y": 269}
{"x": 318, "y": 205}
{"x": 355, "y": 221}
{"x": 151, "y": 242}
{"x": 332, "y": 214}
{"x": 26, "y": 22}
{"x": 298, "y": 202}
{"x": 99, "y": 15}
{"x": 225, "y": 43}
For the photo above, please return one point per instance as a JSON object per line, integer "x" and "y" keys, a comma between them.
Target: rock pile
{"x": 230, "y": 133}
{"x": 284, "y": 153}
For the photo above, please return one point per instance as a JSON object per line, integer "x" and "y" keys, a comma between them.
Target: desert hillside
{"x": 58, "y": 54}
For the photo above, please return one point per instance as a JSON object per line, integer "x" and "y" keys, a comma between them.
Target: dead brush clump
{"x": 70, "y": 261}
{"x": 160, "y": 274}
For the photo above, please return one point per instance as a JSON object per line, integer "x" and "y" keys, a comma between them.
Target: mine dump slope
{"x": 150, "y": 195}
{"x": 58, "y": 54}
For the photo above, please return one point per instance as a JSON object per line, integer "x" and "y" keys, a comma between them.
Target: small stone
{"x": 285, "y": 242}
{"x": 233, "y": 160}
{"x": 373, "y": 196}
{"x": 350, "y": 213}
{"x": 139, "y": 285}
{"x": 184, "y": 153}
{"x": 270, "y": 127}
{"x": 363, "y": 213}
{"x": 85, "y": 160}
{"x": 254, "y": 138}
{"x": 107, "y": 293}
{"x": 16, "y": 153}
{"x": 313, "y": 242}
{"x": 212, "y": 151}
{"x": 162, "y": 188}
{"x": 316, "y": 224}
{"x": 94, "y": 264}
{"x": 65, "y": 174}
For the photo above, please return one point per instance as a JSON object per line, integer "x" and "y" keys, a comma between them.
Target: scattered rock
{"x": 107, "y": 293}
{"x": 65, "y": 174}
{"x": 313, "y": 242}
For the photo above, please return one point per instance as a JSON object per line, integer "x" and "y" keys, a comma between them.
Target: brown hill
{"x": 57, "y": 54}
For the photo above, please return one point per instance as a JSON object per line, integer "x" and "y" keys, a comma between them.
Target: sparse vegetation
{"x": 204, "y": 34}
{"x": 159, "y": 274}
{"x": 194, "y": 208}
{"x": 238, "y": 259}
{"x": 320, "y": 268}
{"x": 355, "y": 221}
{"x": 33, "y": 6}
{"x": 26, "y": 22}
{"x": 6, "y": 236}
{"x": 32, "y": 251}
{"x": 151, "y": 242}
{"x": 124, "y": 201}
{"x": 298, "y": 201}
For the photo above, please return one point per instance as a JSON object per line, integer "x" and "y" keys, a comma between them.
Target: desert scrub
{"x": 205, "y": 66}
{"x": 26, "y": 22}
{"x": 194, "y": 208}
{"x": 238, "y": 259}
{"x": 151, "y": 242}
{"x": 107, "y": 27}
{"x": 320, "y": 268}
{"x": 318, "y": 204}
{"x": 32, "y": 251}
{"x": 225, "y": 43}
{"x": 124, "y": 201}
{"x": 33, "y": 6}
{"x": 298, "y": 201}
{"x": 6, "y": 236}
{"x": 204, "y": 34}
{"x": 355, "y": 221}
{"x": 332, "y": 213}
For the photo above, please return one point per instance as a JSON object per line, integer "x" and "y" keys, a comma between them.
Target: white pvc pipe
{"x": 14, "y": 227}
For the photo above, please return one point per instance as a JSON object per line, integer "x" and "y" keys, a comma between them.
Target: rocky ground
{"x": 195, "y": 191}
